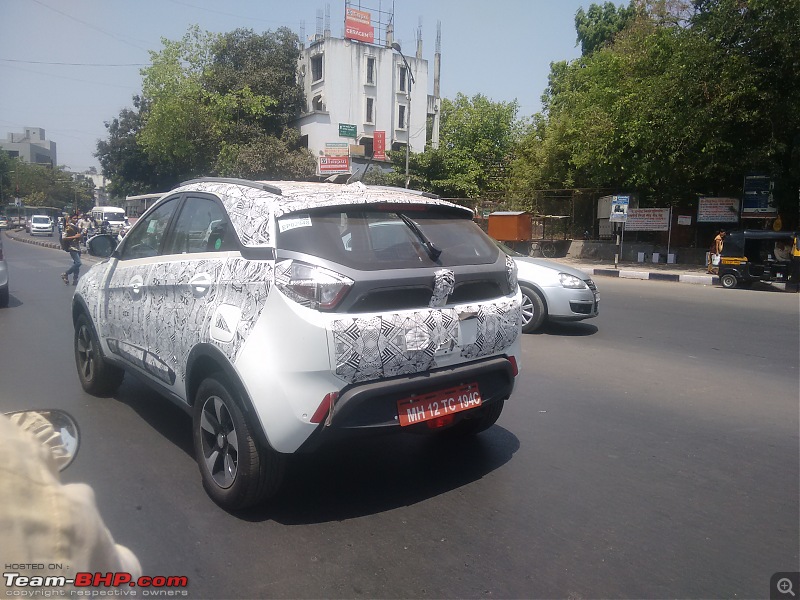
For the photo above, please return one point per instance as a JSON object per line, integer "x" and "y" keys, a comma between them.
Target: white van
{"x": 41, "y": 224}
{"x": 113, "y": 214}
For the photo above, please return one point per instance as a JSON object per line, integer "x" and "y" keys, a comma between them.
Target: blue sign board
{"x": 757, "y": 198}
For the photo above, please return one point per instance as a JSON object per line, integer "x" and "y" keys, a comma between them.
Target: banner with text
{"x": 358, "y": 26}
{"x": 379, "y": 145}
{"x": 718, "y": 210}
{"x": 329, "y": 165}
{"x": 647, "y": 219}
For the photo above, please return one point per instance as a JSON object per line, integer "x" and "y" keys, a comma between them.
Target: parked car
{"x": 285, "y": 314}
{"x": 41, "y": 224}
{"x": 3, "y": 222}
{"x": 552, "y": 291}
{"x": 3, "y": 278}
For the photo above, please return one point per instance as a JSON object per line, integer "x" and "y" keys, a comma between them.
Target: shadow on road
{"x": 580, "y": 329}
{"x": 351, "y": 478}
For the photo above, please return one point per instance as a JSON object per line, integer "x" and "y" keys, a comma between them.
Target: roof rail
{"x": 254, "y": 184}
{"x": 391, "y": 188}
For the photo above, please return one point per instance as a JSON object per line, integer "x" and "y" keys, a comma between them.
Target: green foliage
{"x": 673, "y": 108}
{"x": 597, "y": 26}
{"x": 38, "y": 185}
{"x": 477, "y": 139}
{"x": 212, "y": 105}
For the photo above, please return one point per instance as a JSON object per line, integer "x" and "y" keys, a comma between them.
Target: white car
{"x": 41, "y": 224}
{"x": 284, "y": 314}
{"x": 552, "y": 291}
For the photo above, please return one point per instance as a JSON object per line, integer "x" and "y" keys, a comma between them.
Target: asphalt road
{"x": 651, "y": 452}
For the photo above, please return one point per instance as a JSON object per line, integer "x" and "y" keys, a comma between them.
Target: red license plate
{"x": 425, "y": 407}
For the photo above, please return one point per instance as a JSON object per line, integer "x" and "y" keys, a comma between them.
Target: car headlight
{"x": 570, "y": 281}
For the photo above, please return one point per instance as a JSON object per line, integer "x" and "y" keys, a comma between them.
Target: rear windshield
{"x": 373, "y": 240}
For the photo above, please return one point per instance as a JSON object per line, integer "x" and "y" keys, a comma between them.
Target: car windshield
{"x": 373, "y": 240}
{"x": 41, "y": 220}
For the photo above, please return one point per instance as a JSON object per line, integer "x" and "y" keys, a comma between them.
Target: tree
{"x": 211, "y": 105}
{"x": 477, "y": 139}
{"x": 597, "y": 26}
{"x": 675, "y": 106}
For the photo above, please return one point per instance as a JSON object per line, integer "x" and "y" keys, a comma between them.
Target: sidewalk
{"x": 650, "y": 271}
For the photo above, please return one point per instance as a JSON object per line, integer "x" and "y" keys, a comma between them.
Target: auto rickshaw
{"x": 754, "y": 255}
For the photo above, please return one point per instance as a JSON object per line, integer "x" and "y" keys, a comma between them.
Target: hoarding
{"x": 329, "y": 165}
{"x": 379, "y": 145}
{"x": 718, "y": 210}
{"x": 348, "y": 130}
{"x": 647, "y": 219}
{"x": 758, "y": 196}
{"x": 619, "y": 209}
{"x": 358, "y": 26}
{"x": 336, "y": 149}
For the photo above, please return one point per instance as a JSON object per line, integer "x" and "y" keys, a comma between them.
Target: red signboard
{"x": 357, "y": 26}
{"x": 379, "y": 145}
{"x": 334, "y": 164}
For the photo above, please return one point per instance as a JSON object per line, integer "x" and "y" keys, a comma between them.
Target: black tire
{"x": 97, "y": 376}
{"x": 4, "y": 298}
{"x": 237, "y": 471}
{"x": 487, "y": 417}
{"x": 729, "y": 281}
{"x": 534, "y": 312}
{"x": 548, "y": 250}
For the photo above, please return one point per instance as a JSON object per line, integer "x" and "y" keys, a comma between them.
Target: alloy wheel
{"x": 219, "y": 441}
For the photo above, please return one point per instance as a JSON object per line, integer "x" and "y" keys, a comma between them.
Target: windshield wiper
{"x": 432, "y": 250}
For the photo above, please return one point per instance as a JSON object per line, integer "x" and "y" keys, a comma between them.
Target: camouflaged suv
{"x": 282, "y": 314}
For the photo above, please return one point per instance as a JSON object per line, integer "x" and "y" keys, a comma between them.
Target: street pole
{"x": 410, "y": 81}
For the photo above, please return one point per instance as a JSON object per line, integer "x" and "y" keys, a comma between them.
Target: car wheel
{"x": 728, "y": 281}
{"x": 482, "y": 422}
{"x": 4, "y": 297}
{"x": 98, "y": 377}
{"x": 533, "y": 310}
{"x": 237, "y": 471}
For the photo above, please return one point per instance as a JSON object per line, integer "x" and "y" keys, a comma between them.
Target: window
{"x": 401, "y": 116}
{"x": 369, "y": 116}
{"x": 370, "y": 70}
{"x": 144, "y": 240}
{"x": 316, "y": 67}
{"x": 201, "y": 227}
{"x": 403, "y": 76}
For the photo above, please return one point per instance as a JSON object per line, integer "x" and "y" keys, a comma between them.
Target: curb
{"x": 654, "y": 276}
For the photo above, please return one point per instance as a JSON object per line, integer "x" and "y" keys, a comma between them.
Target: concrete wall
{"x": 595, "y": 250}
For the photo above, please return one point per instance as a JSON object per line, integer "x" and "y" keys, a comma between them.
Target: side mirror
{"x": 55, "y": 429}
{"x": 102, "y": 245}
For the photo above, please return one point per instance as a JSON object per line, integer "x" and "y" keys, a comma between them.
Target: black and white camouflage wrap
{"x": 443, "y": 282}
{"x": 368, "y": 348}
{"x": 157, "y": 328}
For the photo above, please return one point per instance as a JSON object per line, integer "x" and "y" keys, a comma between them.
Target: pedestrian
{"x": 715, "y": 250}
{"x": 71, "y": 240}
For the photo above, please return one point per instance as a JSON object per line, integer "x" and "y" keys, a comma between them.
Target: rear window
{"x": 373, "y": 240}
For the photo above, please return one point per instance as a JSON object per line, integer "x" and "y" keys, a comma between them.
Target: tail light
{"x": 311, "y": 286}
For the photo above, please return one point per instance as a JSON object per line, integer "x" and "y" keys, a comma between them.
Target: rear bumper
{"x": 371, "y": 407}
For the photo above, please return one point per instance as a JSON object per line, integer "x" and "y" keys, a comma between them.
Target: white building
{"x": 31, "y": 146}
{"x": 359, "y": 91}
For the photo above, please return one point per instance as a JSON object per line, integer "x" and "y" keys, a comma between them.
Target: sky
{"x": 70, "y": 66}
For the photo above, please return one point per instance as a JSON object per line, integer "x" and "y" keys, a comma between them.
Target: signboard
{"x": 647, "y": 219}
{"x": 379, "y": 145}
{"x": 619, "y": 209}
{"x": 328, "y": 165}
{"x": 718, "y": 210}
{"x": 348, "y": 130}
{"x": 684, "y": 220}
{"x": 758, "y": 196}
{"x": 358, "y": 25}
{"x": 336, "y": 149}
